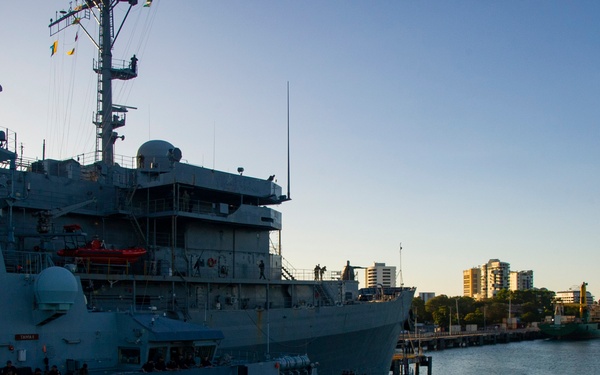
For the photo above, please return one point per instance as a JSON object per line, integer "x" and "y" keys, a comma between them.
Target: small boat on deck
{"x": 77, "y": 246}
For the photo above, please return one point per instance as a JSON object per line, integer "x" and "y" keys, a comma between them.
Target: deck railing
{"x": 26, "y": 262}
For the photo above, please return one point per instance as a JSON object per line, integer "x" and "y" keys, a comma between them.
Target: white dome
{"x": 157, "y": 154}
{"x": 56, "y": 286}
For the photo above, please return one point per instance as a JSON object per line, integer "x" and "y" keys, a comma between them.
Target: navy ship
{"x": 112, "y": 264}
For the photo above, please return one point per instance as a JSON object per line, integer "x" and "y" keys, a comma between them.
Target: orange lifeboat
{"x": 97, "y": 252}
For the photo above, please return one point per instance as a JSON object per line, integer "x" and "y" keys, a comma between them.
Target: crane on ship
{"x": 45, "y": 218}
{"x": 582, "y": 305}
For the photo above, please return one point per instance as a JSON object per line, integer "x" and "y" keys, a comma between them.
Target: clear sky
{"x": 465, "y": 130}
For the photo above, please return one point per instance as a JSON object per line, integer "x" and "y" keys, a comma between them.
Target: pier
{"x": 410, "y": 348}
{"x": 402, "y": 362}
{"x": 445, "y": 340}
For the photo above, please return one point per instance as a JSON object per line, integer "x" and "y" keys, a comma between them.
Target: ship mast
{"x": 108, "y": 116}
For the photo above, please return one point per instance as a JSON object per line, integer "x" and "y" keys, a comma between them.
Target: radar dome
{"x": 157, "y": 155}
{"x": 56, "y": 288}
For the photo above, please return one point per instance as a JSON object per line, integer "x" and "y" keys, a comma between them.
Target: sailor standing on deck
{"x": 133, "y": 64}
{"x": 322, "y": 271}
{"x": 317, "y": 271}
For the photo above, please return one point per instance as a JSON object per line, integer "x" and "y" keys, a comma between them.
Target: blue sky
{"x": 465, "y": 130}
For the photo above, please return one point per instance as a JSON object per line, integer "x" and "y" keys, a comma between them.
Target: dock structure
{"x": 442, "y": 340}
{"x": 409, "y": 357}
{"x": 404, "y": 363}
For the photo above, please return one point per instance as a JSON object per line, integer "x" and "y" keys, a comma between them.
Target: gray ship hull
{"x": 359, "y": 338}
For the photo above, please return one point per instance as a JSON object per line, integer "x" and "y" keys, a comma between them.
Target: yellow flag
{"x": 54, "y": 48}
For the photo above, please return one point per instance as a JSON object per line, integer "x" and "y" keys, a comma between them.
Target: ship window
{"x": 129, "y": 355}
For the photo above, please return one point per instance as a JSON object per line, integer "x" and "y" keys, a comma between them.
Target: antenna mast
{"x": 400, "y": 267}
{"x": 108, "y": 117}
{"x": 288, "y": 139}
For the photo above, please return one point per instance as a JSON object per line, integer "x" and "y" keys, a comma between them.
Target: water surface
{"x": 538, "y": 357}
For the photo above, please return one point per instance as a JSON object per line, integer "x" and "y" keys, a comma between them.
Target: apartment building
{"x": 380, "y": 274}
{"x": 472, "y": 282}
{"x": 521, "y": 280}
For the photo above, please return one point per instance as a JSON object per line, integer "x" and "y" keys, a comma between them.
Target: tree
{"x": 420, "y": 312}
{"x": 503, "y": 296}
{"x": 530, "y": 313}
{"x": 496, "y": 312}
{"x": 475, "y": 317}
{"x": 438, "y": 307}
{"x": 466, "y": 305}
{"x": 529, "y": 305}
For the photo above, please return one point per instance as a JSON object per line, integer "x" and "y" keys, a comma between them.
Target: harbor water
{"x": 538, "y": 357}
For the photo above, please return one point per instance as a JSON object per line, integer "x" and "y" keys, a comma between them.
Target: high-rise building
{"x": 521, "y": 280}
{"x": 494, "y": 277}
{"x": 380, "y": 274}
{"x": 472, "y": 282}
{"x": 486, "y": 281}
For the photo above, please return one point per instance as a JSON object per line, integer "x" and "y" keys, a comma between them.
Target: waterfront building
{"x": 521, "y": 280}
{"x": 490, "y": 278}
{"x": 494, "y": 277}
{"x": 472, "y": 282}
{"x": 573, "y": 296}
{"x": 380, "y": 274}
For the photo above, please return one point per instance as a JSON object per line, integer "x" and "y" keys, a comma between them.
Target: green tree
{"x": 420, "y": 312}
{"x": 475, "y": 317}
{"x": 466, "y": 305}
{"x": 503, "y": 296}
{"x": 528, "y": 305}
{"x": 438, "y": 307}
{"x": 530, "y": 312}
{"x": 496, "y": 312}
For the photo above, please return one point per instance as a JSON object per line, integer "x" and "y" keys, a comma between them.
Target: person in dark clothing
{"x": 133, "y": 64}
{"x": 189, "y": 361}
{"x": 172, "y": 365}
{"x": 160, "y": 365}
{"x": 261, "y": 267}
{"x": 205, "y": 362}
{"x": 148, "y": 366}
{"x": 54, "y": 370}
{"x": 9, "y": 369}
{"x": 84, "y": 370}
